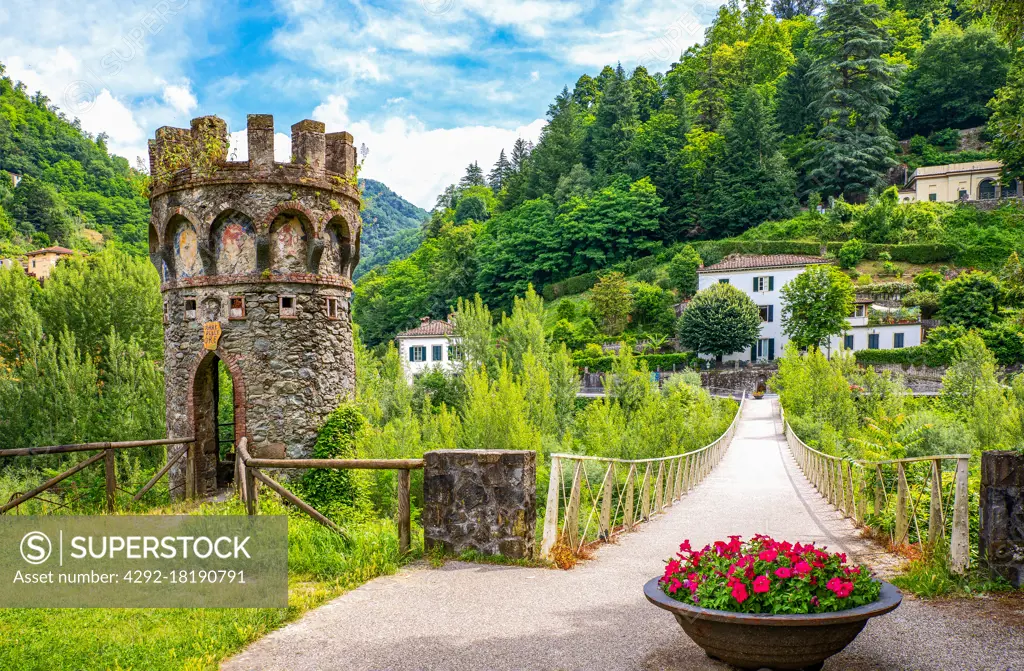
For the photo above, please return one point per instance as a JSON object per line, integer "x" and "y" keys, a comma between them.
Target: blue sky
{"x": 426, "y": 85}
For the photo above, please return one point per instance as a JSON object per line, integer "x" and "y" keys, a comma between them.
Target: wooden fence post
{"x": 936, "y": 527}
{"x": 902, "y": 523}
{"x": 659, "y": 488}
{"x": 670, "y": 483}
{"x": 879, "y": 491}
{"x": 627, "y": 518}
{"x": 862, "y": 501}
{"x": 959, "y": 550}
{"x": 679, "y": 477}
{"x": 571, "y": 527}
{"x": 404, "y": 512}
{"x": 645, "y": 494}
{"x": 605, "y": 528}
{"x": 551, "y": 509}
{"x": 110, "y": 468}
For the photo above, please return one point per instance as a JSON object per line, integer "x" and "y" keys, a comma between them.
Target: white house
{"x": 432, "y": 344}
{"x": 762, "y": 278}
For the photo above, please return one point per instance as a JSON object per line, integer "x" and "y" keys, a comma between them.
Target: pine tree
{"x": 756, "y": 184}
{"x": 474, "y": 176}
{"x": 853, "y": 148}
{"x": 585, "y": 92}
{"x": 795, "y": 97}
{"x": 787, "y": 9}
{"x": 559, "y": 147}
{"x": 500, "y": 172}
{"x": 646, "y": 92}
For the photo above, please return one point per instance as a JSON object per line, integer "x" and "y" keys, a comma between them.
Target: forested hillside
{"x": 69, "y": 181}
{"x": 391, "y": 226}
{"x": 773, "y": 112}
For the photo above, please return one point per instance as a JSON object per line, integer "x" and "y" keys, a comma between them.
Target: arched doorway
{"x": 217, "y": 407}
{"x": 987, "y": 189}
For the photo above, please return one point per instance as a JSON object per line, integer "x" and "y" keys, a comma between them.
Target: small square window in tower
{"x": 287, "y": 307}
{"x": 190, "y": 308}
{"x": 237, "y": 310}
{"x": 332, "y": 308}
{"x": 167, "y": 317}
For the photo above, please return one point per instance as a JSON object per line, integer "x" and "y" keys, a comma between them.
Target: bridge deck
{"x": 467, "y": 616}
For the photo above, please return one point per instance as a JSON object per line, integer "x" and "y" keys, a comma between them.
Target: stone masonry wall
{"x": 1002, "y": 515}
{"x": 483, "y": 500}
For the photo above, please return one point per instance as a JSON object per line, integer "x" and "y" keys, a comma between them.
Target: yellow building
{"x": 40, "y": 263}
{"x": 958, "y": 181}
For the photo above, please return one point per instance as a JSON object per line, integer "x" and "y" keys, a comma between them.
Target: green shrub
{"x": 947, "y": 139}
{"x": 1006, "y": 341}
{"x": 851, "y": 253}
{"x": 603, "y": 364}
{"x": 331, "y": 489}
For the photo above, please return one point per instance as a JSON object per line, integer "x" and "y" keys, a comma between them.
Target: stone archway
{"x": 210, "y": 463}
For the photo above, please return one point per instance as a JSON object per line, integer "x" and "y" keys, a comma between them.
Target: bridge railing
{"x": 596, "y": 498}
{"x": 896, "y": 490}
{"x": 106, "y": 452}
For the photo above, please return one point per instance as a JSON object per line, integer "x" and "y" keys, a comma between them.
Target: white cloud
{"x": 534, "y": 76}
{"x": 180, "y": 98}
{"x": 417, "y": 162}
{"x": 532, "y": 17}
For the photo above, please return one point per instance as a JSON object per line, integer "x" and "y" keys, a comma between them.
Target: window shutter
{"x": 411, "y": 357}
{"x": 771, "y": 313}
{"x": 771, "y": 349}
{"x": 756, "y": 287}
{"x": 753, "y": 352}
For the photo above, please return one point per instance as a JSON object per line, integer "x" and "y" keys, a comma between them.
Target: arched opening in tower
{"x": 218, "y": 420}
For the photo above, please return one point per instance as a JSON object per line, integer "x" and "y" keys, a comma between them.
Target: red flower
{"x": 674, "y": 587}
{"x": 768, "y": 555}
{"x": 783, "y": 572}
{"x": 739, "y": 592}
{"x": 802, "y": 567}
{"x": 762, "y": 584}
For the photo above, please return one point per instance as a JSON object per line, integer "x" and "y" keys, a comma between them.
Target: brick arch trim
{"x": 311, "y": 222}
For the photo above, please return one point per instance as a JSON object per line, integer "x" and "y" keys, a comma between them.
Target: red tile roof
{"x": 50, "y": 250}
{"x": 429, "y": 327}
{"x": 754, "y": 261}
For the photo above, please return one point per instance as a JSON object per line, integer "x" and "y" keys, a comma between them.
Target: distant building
{"x": 40, "y": 263}
{"x": 7, "y": 263}
{"x": 15, "y": 179}
{"x": 958, "y": 181}
{"x": 432, "y": 344}
{"x": 762, "y": 278}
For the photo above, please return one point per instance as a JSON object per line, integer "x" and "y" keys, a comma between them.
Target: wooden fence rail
{"x": 849, "y": 484}
{"x": 106, "y": 453}
{"x": 606, "y": 505}
{"x": 248, "y": 472}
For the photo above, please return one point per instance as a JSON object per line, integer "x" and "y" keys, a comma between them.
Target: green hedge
{"x": 924, "y": 253}
{"x": 909, "y": 356}
{"x": 603, "y": 364}
{"x": 577, "y": 284}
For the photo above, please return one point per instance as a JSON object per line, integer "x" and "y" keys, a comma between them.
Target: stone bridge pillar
{"x": 482, "y": 500}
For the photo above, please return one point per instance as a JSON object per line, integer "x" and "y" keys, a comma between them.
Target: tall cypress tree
{"x": 613, "y": 125}
{"x": 474, "y": 176}
{"x": 755, "y": 184}
{"x": 853, "y": 148}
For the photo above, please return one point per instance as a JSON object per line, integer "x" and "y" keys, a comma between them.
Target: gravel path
{"x": 470, "y": 616}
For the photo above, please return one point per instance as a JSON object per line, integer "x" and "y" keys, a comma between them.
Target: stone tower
{"x": 256, "y": 261}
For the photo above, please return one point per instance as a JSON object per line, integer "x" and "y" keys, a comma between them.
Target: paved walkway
{"x": 467, "y": 616}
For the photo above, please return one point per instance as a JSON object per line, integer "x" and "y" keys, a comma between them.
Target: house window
{"x": 858, "y": 310}
{"x": 764, "y": 283}
{"x": 767, "y": 313}
{"x": 237, "y": 309}
{"x": 286, "y": 307}
{"x": 190, "y": 308}
{"x": 417, "y": 353}
{"x": 332, "y": 308}
{"x": 933, "y": 196}
{"x": 436, "y": 352}
{"x": 962, "y": 194}
{"x": 848, "y": 342}
{"x": 33, "y": 263}
{"x": 872, "y": 341}
{"x": 723, "y": 281}
{"x": 897, "y": 340}
{"x": 454, "y": 353}
{"x": 765, "y": 349}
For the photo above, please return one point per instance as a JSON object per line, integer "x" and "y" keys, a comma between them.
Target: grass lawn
{"x": 321, "y": 566}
